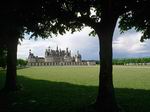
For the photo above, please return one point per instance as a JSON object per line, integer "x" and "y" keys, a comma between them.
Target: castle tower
{"x": 78, "y": 57}
{"x": 49, "y": 48}
{"x": 29, "y": 51}
{"x": 57, "y": 48}
{"x": 31, "y": 57}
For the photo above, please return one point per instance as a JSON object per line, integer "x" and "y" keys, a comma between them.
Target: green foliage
{"x": 21, "y": 62}
{"x": 130, "y": 60}
{"x": 73, "y": 15}
{"x": 24, "y": 17}
{"x": 137, "y": 17}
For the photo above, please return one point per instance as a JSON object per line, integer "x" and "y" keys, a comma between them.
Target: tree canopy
{"x": 137, "y": 18}
{"x": 18, "y": 18}
{"x": 45, "y": 17}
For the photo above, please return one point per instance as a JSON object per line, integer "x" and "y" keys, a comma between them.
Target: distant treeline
{"x": 126, "y": 61}
{"x": 20, "y": 62}
{"x": 131, "y": 60}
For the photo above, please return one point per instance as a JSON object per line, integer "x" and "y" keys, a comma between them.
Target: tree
{"x": 74, "y": 15}
{"x": 18, "y": 18}
{"x": 107, "y": 12}
{"x": 21, "y": 62}
{"x": 103, "y": 22}
{"x": 2, "y": 57}
{"x": 137, "y": 18}
{"x": 11, "y": 48}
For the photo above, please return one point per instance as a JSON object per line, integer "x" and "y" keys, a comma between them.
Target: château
{"x": 57, "y": 57}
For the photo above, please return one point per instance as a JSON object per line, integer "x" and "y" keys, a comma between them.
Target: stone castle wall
{"x": 57, "y": 58}
{"x": 61, "y": 63}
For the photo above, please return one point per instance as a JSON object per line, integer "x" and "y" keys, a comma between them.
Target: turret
{"x": 77, "y": 52}
{"x": 49, "y": 48}
{"x": 46, "y": 51}
{"x": 29, "y": 51}
{"x": 66, "y": 50}
{"x": 78, "y": 57}
{"x": 70, "y": 53}
{"x": 31, "y": 57}
{"x": 57, "y": 48}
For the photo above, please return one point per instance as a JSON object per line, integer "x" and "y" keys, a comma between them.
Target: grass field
{"x": 72, "y": 89}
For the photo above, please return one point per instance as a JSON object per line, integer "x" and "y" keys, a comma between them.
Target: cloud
{"x": 129, "y": 45}
{"x": 124, "y": 45}
{"x": 87, "y": 46}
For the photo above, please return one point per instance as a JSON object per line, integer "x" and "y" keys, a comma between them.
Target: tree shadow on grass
{"x": 48, "y": 96}
{"x": 133, "y": 100}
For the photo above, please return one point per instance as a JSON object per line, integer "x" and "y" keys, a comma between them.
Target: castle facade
{"x": 56, "y": 57}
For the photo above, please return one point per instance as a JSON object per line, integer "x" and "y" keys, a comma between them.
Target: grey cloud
{"x": 124, "y": 45}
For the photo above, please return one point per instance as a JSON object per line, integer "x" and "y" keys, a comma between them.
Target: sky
{"x": 126, "y": 45}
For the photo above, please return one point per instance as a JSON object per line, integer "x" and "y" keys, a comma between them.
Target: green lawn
{"x": 72, "y": 89}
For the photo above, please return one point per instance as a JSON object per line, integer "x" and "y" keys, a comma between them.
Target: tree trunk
{"x": 106, "y": 101}
{"x": 11, "y": 82}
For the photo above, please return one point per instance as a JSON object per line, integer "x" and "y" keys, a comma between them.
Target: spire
{"x": 57, "y": 48}
{"x": 67, "y": 49}
{"x": 77, "y": 52}
{"x": 60, "y": 49}
{"x": 48, "y": 50}
{"x": 29, "y": 51}
{"x": 49, "y": 47}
